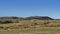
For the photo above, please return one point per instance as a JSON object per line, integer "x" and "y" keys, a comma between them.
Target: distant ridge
{"x": 28, "y": 18}
{"x": 5, "y": 20}
{"x": 40, "y": 17}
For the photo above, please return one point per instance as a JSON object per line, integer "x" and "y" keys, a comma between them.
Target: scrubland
{"x": 31, "y": 27}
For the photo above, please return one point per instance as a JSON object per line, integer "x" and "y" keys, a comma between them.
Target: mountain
{"x": 40, "y": 18}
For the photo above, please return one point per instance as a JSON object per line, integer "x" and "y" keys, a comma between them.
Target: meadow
{"x": 31, "y": 27}
{"x": 42, "y": 30}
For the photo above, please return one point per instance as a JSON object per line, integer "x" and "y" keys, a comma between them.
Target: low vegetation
{"x": 29, "y": 24}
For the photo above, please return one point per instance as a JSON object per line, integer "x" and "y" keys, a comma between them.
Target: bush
{"x": 0, "y": 22}
{"x": 3, "y": 27}
{"x": 5, "y": 22}
{"x": 11, "y": 27}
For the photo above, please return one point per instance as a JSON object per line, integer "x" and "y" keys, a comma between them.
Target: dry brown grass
{"x": 32, "y": 24}
{"x": 32, "y": 27}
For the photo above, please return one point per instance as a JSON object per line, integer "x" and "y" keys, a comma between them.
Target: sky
{"x": 25, "y": 8}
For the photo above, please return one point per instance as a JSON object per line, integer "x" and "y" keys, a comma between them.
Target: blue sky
{"x": 25, "y": 8}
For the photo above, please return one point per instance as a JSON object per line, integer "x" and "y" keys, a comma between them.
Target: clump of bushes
{"x": 8, "y": 22}
{"x": 5, "y": 22}
{"x": 3, "y": 27}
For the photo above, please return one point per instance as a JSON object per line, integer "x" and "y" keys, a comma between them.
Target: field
{"x": 39, "y": 27}
{"x": 42, "y": 30}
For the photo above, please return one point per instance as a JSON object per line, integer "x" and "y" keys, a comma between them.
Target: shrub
{"x": 11, "y": 27}
{"x": 3, "y": 27}
{"x": 5, "y": 22}
{"x": 17, "y": 27}
{"x": 0, "y": 22}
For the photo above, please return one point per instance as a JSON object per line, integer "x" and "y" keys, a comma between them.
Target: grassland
{"x": 39, "y": 27}
{"x": 42, "y": 30}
